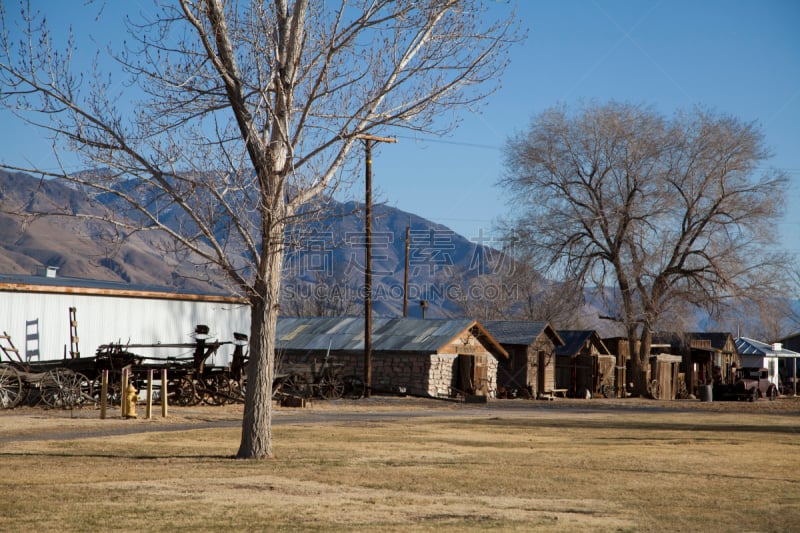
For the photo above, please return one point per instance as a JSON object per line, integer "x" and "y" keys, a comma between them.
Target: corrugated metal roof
{"x": 747, "y": 346}
{"x": 347, "y": 333}
{"x": 519, "y": 332}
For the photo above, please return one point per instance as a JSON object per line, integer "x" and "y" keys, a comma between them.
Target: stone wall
{"x": 414, "y": 374}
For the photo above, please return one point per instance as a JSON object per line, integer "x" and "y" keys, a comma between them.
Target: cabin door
{"x": 473, "y": 373}
{"x": 540, "y": 382}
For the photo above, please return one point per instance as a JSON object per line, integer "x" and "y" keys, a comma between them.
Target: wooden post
{"x": 368, "y": 140}
{"x": 123, "y": 407}
{"x": 103, "y": 393}
{"x": 368, "y": 273}
{"x": 148, "y": 412}
{"x": 164, "y": 393}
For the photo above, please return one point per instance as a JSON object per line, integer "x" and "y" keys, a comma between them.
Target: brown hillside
{"x": 80, "y": 247}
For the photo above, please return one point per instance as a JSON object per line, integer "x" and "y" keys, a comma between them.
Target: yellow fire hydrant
{"x": 131, "y": 395}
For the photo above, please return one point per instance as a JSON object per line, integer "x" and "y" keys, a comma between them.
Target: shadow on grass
{"x": 635, "y": 425}
{"x": 108, "y": 455}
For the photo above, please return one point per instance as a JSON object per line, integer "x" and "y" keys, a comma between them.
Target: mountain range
{"x": 324, "y": 262}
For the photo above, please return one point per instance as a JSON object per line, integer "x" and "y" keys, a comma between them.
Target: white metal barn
{"x": 35, "y": 313}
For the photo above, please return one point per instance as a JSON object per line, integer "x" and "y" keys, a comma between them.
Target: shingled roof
{"x": 520, "y": 332}
{"x": 574, "y": 340}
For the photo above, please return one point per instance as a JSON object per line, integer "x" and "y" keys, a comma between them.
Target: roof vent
{"x": 777, "y": 347}
{"x": 51, "y": 271}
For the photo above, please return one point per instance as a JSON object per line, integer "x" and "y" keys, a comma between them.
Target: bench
{"x": 552, "y": 394}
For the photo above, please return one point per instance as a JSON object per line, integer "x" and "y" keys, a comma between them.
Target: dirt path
{"x": 35, "y": 424}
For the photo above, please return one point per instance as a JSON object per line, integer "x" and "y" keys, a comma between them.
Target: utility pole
{"x": 368, "y": 140}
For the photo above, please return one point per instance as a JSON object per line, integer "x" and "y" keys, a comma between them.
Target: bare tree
{"x": 654, "y": 210}
{"x": 322, "y": 295}
{"x": 504, "y": 285}
{"x": 243, "y": 112}
{"x": 521, "y": 294}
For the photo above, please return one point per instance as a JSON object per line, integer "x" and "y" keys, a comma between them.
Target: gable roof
{"x": 680, "y": 340}
{"x": 346, "y": 334}
{"x": 718, "y": 339}
{"x": 521, "y": 332}
{"x": 574, "y": 340}
{"x": 747, "y": 346}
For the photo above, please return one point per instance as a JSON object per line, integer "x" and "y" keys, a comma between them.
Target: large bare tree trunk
{"x": 256, "y": 440}
{"x": 257, "y": 420}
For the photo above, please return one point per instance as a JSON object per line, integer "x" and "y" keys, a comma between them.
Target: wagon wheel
{"x": 331, "y": 387}
{"x": 65, "y": 389}
{"x": 354, "y": 387}
{"x": 10, "y": 387}
{"x": 654, "y": 389}
{"x": 277, "y": 388}
{"x": 86, "y": 387}
{"x": 296, "y": 385}
{"x": 772, "y": 393}
{"x": 217, "y": 389}
{"x": 607, "y": 391}
{"x": 238, "y": 389}
{"x": 754, "y": 395}
{"x": 113, "y": 395}
{"x": 181, "y": 391}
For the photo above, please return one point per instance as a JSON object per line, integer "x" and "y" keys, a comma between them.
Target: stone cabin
{"x": 530, "y": 369}
{"x": 434, "y": 357}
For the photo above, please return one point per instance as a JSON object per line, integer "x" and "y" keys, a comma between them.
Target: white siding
{"x": 107, "y": 319}
{"x": 763, "y": 361}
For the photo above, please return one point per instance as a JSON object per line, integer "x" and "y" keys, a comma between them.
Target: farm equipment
{"x": 66, "y": 383}
{"x": 190, "y": 380}
{"x": 74, "y": 382}
{"x": 316, "y": 379}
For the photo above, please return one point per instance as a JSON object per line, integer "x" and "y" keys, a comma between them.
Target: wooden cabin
{"x": 708, "y": 358}
{"x": 530, "y": 369}
{"x": 584, "y": 366}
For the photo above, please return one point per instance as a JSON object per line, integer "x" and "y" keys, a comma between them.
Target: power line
{"x": 454, "y": 143}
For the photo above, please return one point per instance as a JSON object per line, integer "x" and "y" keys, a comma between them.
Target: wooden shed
{"x": 620, "y": 349}
{"x": 709, "y": 358}
{"x": 584, "y": 366}
{"x": 530, "y": 369}
{"x": 662, "y": 373}
{"x": 664, "y": 376}
{"x": 434, "y": 357}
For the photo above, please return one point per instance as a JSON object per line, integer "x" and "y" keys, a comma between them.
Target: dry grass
{"x": 521, "y": 468}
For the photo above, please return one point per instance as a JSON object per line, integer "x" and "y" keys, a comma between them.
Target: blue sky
{"x": 740, "y": 57}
